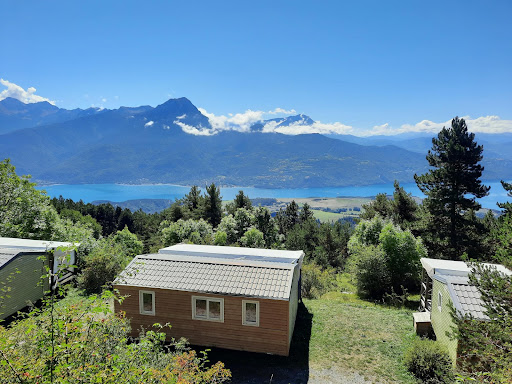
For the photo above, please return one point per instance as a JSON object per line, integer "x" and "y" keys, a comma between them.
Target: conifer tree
{"x": 213, "y": 205}
{"x": 451, "y": 188}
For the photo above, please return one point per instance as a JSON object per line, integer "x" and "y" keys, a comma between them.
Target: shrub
{"x": 129, "y": 241}
{"x": 80, "y": 340}
{"x": 196, "y": 231}
{"x": 315, "y": 281}
{"x": 429, "y": 362}
{"x": 221, "y": 238}
{"x": 102, "y": 265}
{"x": 253, "y": 239}
{"x": 368, "y": 265}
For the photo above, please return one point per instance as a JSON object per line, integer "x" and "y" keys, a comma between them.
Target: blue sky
{"x": 362, "y": 64}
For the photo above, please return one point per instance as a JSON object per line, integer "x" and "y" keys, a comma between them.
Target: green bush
{"x": 429, "y": 362}
{"x": 368, "y": 265}
{"x": 316, "y": 281}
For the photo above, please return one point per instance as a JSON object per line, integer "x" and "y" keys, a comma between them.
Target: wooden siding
{"x": 442, "y": 321}
{"x": 175, "y": 307}
{"x": 27, "y": 286}
{"x": 293, "y": 304}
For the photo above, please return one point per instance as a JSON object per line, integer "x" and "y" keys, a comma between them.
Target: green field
{"x": 352, "y": 335}
{"x": 337, "y": 339}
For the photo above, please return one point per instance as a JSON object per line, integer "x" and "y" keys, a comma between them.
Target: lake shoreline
{"x": 125, "y": 192}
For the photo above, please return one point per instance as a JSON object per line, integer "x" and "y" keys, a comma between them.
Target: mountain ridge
{"x": 150, "y": 145}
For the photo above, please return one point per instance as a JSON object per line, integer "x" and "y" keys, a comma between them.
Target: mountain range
{"x": 151, "y": 145}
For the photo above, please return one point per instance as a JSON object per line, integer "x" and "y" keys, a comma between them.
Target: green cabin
{"x": 23, "y": 266}
{"x": 445, "y": 284}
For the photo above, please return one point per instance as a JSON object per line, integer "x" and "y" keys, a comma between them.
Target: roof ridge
{"x": 216, "y": 261}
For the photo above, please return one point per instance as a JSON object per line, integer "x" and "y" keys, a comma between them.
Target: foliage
{"x": 102, "y": 265}
{"x": 367, "y": 232}
{"x": 195, "y": 231}
{"x": 332, "y": 244}
{"x": 228, "y": 225}
{"x": 77, "y": 218}
{"x": 485, "y": 347}
{"x": 25, "y": 212}
{"x": 403, "y": 252}
{"x": 429, "y": 362}
{"x": 501, "y": 232}
{"x": 213, "y": 205}
{"x": 455, "y": 158}
{"x": 402, "y": 209}
{"x": 221, "y": 238}
{"x": 287, "y": 218}
{"x": 315, "y": 281}
{"x": 252, "y": 238}
{"x": 368, "y": 265}
{"x": 244, "y": 220}
{"x": 266, "y": 225}
{"x": 381, "y": 206}
{"x": 81, "y": 340}
{"x": 384, "y": 258}
{"x": 507, "y": 206}
{"x": 241, "y": 201}
{"x": 131, "y": 244}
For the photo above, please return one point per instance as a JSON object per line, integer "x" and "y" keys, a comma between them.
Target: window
{"x": 439, "y": 301}
{"x": 207, "y": 308}
{"x": 147, "y": 302}
{"x": 251, "y": 313}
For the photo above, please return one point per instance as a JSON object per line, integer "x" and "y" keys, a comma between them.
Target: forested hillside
{"x": 377, "y": 260}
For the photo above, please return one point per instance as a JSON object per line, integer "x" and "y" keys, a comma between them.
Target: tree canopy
{"x": 451, "y": 188}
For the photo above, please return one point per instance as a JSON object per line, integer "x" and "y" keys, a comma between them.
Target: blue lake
{"x": 121, "y": 192}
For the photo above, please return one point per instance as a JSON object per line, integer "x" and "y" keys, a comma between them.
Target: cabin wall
{"x": 175, "y": 307}
{"x": 441, "y": 318}
{"x": 25, "y": 287}
{"x": 293, "y": 303}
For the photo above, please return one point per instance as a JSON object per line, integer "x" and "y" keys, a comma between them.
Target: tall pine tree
{"x": 451, "y": 188}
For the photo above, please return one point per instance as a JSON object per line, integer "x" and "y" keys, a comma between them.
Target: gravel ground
{"x": 313, "y": 376}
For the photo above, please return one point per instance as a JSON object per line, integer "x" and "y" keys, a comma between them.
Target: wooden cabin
{"x": 445, "y": 284}
{"x": 24, "y": 267}
{"x": 229, "y": 297}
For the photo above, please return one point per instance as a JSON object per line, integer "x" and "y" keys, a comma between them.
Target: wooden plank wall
{"x": 175, "y": 307}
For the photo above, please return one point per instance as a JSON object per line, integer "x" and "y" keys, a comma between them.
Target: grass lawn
{"x": 327, "y": 216}
{"x": 337, "y": 336}
{"x": 353, "y": 335}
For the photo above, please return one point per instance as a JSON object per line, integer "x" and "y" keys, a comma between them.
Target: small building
{"x": 445, "y": 284}
{"x": 24, "y": 264}
{"x": 229, "y": 297}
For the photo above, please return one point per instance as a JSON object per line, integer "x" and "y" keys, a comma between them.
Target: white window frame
{"x": 141, "y": 303}
{"x": 208, "y": 299}
{"x": 244, "y": 308}
{"x": 439, "y": 301}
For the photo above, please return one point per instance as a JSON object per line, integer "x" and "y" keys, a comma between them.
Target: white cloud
{"x": 103, "y": 100}
{"x": 299, "y": 128}
{"x": 196, "y": 131}
{"x": 483, "y": 124}
{"x": 149, "y": 123}
{"x": 182, "y": 116}
{"x": 240, "y": 122}
{"x": 26, "y": 96}
{"x": 283, "y": 111}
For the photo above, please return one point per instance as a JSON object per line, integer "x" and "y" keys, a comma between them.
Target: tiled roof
{"x": 467, "y": 299}
{"x": 206, "y": 275}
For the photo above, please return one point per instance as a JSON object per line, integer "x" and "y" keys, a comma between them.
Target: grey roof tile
{"x": 469, "y": 299}
{"x": 257, "y": 280}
